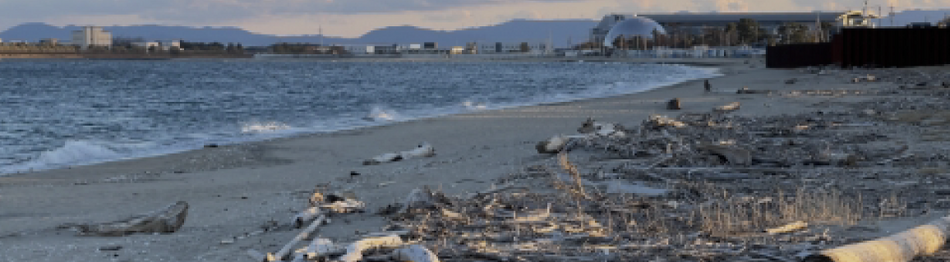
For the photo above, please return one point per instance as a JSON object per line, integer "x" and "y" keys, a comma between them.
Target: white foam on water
{"x": 474, "y": 106}
{"x": 381, "y": 113}
{"x": 263, "y": 127}
{"x": 76, "y": 152}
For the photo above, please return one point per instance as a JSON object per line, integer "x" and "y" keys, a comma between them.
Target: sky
{"x": 352, "y": 18}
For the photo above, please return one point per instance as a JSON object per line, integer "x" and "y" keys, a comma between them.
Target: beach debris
{"x": 658, "y": 121}
{"x": 110, "y": 248}
{"x": 791, "y": 81}
{"x": 904, "y": 246}
{"x": 354, "y": 252}
{"x": 866, "y": 78}
{"x": 306, "y": 216}
{"x": 321, "y": 247}
{"x": 414, "y": 253}
{"x": 674, "y": 104}
{"x": 601, "y": 129}
{"x": 418, "y": 198}
{"x": 707, "y": 86}
{"x": 727, "y": 108}
{"x": 734, "y": 155}
{"x": 166, "y": 220}
{"x": 284, "y": 252}
{"x": 791, "y": 227}
{"x": 423, "y": 150}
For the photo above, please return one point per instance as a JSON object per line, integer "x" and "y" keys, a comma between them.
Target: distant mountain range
{"x": 561, "y": 32}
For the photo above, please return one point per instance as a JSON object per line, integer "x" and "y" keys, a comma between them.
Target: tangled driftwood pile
{"x": 704, "y": 187}
{"x": 694, "y": 187}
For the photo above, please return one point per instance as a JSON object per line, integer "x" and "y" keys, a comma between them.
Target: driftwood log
{"x": 901, "y": 247}
{"x": 414, "y": 253}
{"x": 166, "y": 220}
{"x": 594, "y": 127}
{"x": 354, "y": 252}
{"x": 735, "y": 156}
{"x": 727, "y": 108}
{"x": 423, "y": 150}
{"x": 285, "y": 251}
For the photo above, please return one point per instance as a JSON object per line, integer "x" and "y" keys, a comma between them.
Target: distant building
{"x": 168, "y": 45}
{"x": 49, "y": 41}
{"x": 147, "y": 45}
{"x": 511, "y": 47}
{"x": 695, "y": 22}
{"x": 92, "y": 36}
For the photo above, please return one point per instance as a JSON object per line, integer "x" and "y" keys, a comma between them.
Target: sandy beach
{"x": 244, "y": 196}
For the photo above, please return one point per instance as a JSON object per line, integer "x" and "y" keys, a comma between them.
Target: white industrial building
{"x": 696, "y": 22}
{"x": 92, "y": 36}
{"x": 167, "y": 45}
{"x": 511, "y": 47}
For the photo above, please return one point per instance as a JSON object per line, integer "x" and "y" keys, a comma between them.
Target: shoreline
{"x": 32, "y": 167}
{"x": 233, "y": 189}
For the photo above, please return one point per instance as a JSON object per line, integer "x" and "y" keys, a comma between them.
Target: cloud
{"x": 204, "y": 11}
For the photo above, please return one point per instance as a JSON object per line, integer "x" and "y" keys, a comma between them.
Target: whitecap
{"x": 380, "y": 114}
{"x": 263, "y": 127}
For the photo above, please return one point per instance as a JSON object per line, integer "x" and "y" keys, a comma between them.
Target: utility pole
{"x": 892, "y": 15}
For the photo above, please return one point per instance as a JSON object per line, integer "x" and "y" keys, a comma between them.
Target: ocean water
{"x": 57, "y": 113}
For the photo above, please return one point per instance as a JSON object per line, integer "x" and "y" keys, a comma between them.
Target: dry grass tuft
{"x": 735, "y": 215}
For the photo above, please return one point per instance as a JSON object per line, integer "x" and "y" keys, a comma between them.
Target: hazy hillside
{"x": 513, "y": 31}
{"x": 559, "y": 31}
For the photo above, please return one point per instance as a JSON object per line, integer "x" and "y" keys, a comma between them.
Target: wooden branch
{"x": 166, "y": 220}
{"x": 798, "y": 225}
{"x": 285, "y": 251}
{"x": 306, "y": 216}
{"x": 901, "y": 247}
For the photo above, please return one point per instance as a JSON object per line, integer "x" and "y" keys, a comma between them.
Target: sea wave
{"x": 349, "y": 116}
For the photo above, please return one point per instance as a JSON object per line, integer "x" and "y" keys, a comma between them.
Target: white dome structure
{"x": 632, "y": 27}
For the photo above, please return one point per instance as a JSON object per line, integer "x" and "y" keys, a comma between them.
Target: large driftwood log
{"x": 414, "y": 253}
{"x": 901, "y": 247}
{"x": 423, "y": 150}
{"x": 166, "y": 220}
{"x": 354, "y": 252}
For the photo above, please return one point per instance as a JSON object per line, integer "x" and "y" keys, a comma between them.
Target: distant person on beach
{"x": 708, "y": 86}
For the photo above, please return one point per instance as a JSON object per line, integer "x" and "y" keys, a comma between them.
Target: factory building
{"x": 695, "y": 22}
{"x": 92, "y": 36}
